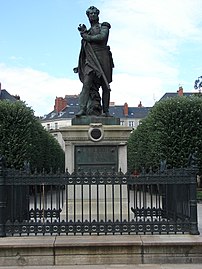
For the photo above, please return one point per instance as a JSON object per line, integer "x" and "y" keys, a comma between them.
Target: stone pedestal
{"x": 98, "y": 203}
{"x": 96, "y": 144}
{"x": 89, "y": 145}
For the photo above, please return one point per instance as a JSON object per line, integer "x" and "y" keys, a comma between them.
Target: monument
{"x": 95, "y": 66}
{"x": 95, "y": 141}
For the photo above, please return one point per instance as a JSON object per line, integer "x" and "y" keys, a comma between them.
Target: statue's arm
{"x": 103, "y": 35}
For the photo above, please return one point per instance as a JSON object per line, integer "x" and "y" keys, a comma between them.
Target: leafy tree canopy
{"x": 171, "y": 131}
{"x": 24, "y": 140}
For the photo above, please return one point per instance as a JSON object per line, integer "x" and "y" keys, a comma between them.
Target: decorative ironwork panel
{"x": 100, "y": 202}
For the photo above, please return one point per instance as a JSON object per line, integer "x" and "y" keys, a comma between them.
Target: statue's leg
{"x": 94, "y": 104}
{"x": 85, "y": 94}
{"x": 105, "y": 100}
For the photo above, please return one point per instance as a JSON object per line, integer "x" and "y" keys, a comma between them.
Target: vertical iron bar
{"x": 28, "y": 201}
{"x": 82, "y": 208}
{"x": 121, "y": 204}
{"x": 40, "y": 198}
{"x": 2, "y": 198}
{"x": 113, "y": 201}
{"x": 105, "y": 189}
{"x": 144, "y": 202}
{"x": 66, "y": 187}
{"x": 105, "y": 194}
{"x": 98, "y": 203}
{"x": 193, "y": 207}
{"x": 151, "y": 201}
{"x": 136, "y": 200}
{"x": 74, "y": 202}
{"x": 129, "y": 200}
{"x": 140, "y": 199}
{"x": 62, "y": 191}
{"x": 90, "y": 217}
{"x": 51, "y": 202}
{"x": 156, "y": 195}
{"x": 59, "y": 199}
{"x": 35, "y": 207}
{"x": 43, "y": 202}
{"x": 12, "y": 202}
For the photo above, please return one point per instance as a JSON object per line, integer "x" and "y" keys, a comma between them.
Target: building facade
{"x": 66, "y": 108}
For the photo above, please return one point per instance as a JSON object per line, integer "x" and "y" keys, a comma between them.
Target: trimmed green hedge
{"x": 24, "y": 140}
{"x": 171, "y": 131}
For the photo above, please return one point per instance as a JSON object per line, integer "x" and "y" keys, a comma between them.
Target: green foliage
{"x": 199, "y": 195}
{"x": 172, "y": 130}
{"x": 46, "y": 152}
{"x": 23, "y": 139}
{"x": 15, "y": 136}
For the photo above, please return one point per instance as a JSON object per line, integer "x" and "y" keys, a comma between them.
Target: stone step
{"x": 114, "y": 266}
{"x": 100, "y": 250}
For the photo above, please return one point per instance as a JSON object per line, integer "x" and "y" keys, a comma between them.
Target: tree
{"x": 24, "y": 140}
{"x": 15, "y": 136}
{"x": 198, "y": 84}
{"x": 172, "y": 130}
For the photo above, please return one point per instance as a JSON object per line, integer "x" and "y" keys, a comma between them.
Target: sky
{"x": 156, "y": 47}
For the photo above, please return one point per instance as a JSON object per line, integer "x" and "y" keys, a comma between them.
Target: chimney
{"x": 125, "y": 109}
{"x": 60, "y": 104}
{"x": 180, "y": 91}
{"x": 140, "y": 104}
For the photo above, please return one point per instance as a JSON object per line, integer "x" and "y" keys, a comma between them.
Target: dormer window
{"x": 53, "y": 114}
{"x": 61, "y": 113}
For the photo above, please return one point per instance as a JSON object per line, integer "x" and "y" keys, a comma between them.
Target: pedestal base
{"x": 87, "y": 120}
{"x": 96, "y": 203}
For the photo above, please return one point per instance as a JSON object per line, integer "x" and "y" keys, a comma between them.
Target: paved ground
{"x": 123, "y": 266}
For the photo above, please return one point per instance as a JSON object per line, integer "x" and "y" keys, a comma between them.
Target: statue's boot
{"x": 82, "y": 112}
{"x": 106, "y": 114}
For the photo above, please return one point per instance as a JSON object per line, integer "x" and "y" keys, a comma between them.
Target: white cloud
{"x": 131, "y": 89}
{"x": 37, "y": 89}
{"x": 152, "y": 28}
{"x": 15, "y": 58}
{"x": 146, "y": 39}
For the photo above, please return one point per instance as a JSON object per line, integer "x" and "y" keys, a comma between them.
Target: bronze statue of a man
{"x": 95, "y": 66}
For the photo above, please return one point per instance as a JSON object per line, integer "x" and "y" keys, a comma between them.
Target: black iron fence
{"x": 97, "y": 203}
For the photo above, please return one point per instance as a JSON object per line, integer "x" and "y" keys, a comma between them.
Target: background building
{"x": 66, "y": 108}
{"x": 4, "y": 95}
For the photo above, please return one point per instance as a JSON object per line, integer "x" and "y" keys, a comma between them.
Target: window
{"x": 131, "y": 124}
{"x": 56, "y": 125}
{"x": 48, "y": 126}
{"x": 52, "y": 115}
{"x": 121, "y": 123}
{"x": 61, "y": 114}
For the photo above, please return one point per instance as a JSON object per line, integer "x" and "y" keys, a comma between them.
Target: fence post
{"x": 193, "y": 205}
{"x": 2, "y": 197}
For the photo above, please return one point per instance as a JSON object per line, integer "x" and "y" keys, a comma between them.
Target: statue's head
{"x": 93, "y": 13}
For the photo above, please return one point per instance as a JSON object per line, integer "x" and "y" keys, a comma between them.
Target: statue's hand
{"x": 86, "y": 37}
{"x": 75, "y": 69}
{"x": 82, "y": 28}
